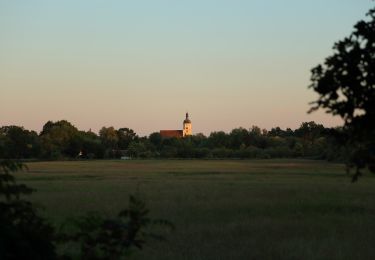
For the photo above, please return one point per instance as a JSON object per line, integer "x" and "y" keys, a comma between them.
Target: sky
{"x": 144, "y": 64}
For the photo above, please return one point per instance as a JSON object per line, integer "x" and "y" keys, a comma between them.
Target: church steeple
{"x": 187, "y": 120}
{"x": 187, "y": 130}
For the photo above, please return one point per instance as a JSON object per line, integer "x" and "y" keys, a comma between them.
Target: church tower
{"x": 187, "y": 126}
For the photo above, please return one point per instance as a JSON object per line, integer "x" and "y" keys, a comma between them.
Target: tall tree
{"x": 346, "y": 87}
{"x": 59, "y": 139}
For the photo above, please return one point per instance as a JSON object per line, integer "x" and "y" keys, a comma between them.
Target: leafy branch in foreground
{"x": 111, "y": 238}
{"x": 23, "y": 234}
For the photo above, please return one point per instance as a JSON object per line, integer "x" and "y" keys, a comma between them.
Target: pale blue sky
{"x": 142, "y": 64}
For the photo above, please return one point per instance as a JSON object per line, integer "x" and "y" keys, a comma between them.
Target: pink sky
{"x": 229, "y": 64}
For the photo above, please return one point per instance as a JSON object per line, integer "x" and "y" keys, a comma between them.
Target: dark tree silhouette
{"x": 346, "y": 87}
{"x": 23, "y": 234}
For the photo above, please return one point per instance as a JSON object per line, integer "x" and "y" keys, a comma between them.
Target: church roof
{"x": 171, "y": 133}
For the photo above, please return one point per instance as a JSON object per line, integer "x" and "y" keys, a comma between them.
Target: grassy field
{"x": 260, "y": 209}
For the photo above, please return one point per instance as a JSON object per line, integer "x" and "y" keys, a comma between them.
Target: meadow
{"x": 222, "y": 209}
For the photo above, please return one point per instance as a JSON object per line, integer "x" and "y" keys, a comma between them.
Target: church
{"x": 186, "y": 130}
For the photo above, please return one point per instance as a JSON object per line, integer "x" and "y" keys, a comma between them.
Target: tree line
{"x": 62, "y": 140}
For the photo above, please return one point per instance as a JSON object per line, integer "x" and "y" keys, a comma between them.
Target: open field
{"x": 260, "y": 209}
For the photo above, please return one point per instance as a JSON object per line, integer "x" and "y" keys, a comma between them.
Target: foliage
{"x": 346, "y": 87}
{"x": 110, "y": 238}
{"x": 125, "y": 137}
{"x": 109, "y": 137}
{"x": 23, "y": 234}
{"x": 59, "y": 139}
{"x": 16, "y": 142}
{"x": 62, "y": 140}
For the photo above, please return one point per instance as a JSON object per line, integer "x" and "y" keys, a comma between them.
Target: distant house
{"x": 186, "y": 130}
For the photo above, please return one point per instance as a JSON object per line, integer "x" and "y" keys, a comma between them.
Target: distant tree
{"x": 309, "y": 132}
{"x": 346, "y": 87}
{"x": 198, "y": 140}
{"x": 218, "y": 139}
{"x": 109, "y": 137}
{"x": 256, "y": 138}
{"x": 16, "y": 142}
{"x": 289, "y": 132}
{"x": 239, "y": 137}
{"x": 155, "y": 139}
{"x": 125, "y": 137}
{"x": 276, "y": 131}
{"x": 59, "y": 139}
{"x": 202, "y": 153}
{"x": 255, "y": 130}
{"x": 90, "y": 145}
{"x": 140, "y": 149}
{"x": 185, "y": 149}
